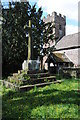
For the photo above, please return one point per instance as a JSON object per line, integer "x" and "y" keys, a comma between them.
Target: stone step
{"x": 49, "y": 77}
{"x": 36, "y": 80}
{"x": 37, "y": 75}
{"x": 32, "y": 77}
{"x": 35, "y": 71}
{"x": 28, "y": 87}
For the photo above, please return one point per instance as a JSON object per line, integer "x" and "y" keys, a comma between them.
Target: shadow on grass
{"x": 18, "y": 105}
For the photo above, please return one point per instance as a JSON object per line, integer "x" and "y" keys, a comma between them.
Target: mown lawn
{"x": 54, "y": 101}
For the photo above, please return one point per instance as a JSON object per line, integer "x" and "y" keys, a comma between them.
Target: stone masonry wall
{"x": 59, "y": 21}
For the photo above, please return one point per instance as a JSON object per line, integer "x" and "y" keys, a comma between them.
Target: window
{"x": 59, "y": 27}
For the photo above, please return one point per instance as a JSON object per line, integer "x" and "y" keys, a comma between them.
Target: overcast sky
{"x": 69, "y": 8}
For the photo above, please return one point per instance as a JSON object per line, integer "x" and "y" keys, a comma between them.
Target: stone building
{"x": 66, "y": 56}
{"x": 70, "y": 45}
{"x": 67, "y": 48}
{"x": 60, "y": 23}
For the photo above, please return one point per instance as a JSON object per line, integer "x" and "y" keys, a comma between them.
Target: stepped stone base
{"x": 28, "y": 87}
{"x": 33, "y": 77}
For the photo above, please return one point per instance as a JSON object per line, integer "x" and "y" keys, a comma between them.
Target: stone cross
{"x": 30, "y": 56}
{"x": 29, "y": 43}
{"x": 30, "y": 64}
{"x": 30, "y": 49}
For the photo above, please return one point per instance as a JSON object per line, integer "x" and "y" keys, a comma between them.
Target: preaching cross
{"x": 30, "y": 49}
{"x": 30, "y": 64}
{"x": 30, "y": 56}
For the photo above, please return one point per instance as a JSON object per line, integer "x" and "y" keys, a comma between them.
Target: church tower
{"x": 60, "y": 25}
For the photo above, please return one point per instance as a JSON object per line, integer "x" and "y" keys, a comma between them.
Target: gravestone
{"x": 30, "y": 64}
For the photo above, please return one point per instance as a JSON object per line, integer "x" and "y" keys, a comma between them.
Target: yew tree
{"x": 15, "y": 37}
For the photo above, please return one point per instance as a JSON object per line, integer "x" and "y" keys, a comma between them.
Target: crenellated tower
{"x": 59, "y": 22}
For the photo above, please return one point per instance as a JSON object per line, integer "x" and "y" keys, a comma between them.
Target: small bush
{"x": 26, "y": 77}
{"x": 35, "y": 88}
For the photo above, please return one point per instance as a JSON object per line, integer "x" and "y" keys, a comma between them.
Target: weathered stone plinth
{"x": 31, "y": 65}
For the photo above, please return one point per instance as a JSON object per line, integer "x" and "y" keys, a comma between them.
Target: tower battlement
{"x": 60, "y": 22}
{"x": 54, "y": 17}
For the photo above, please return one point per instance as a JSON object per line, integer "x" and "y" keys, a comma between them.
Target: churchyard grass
{"x": 59, "y": 100}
